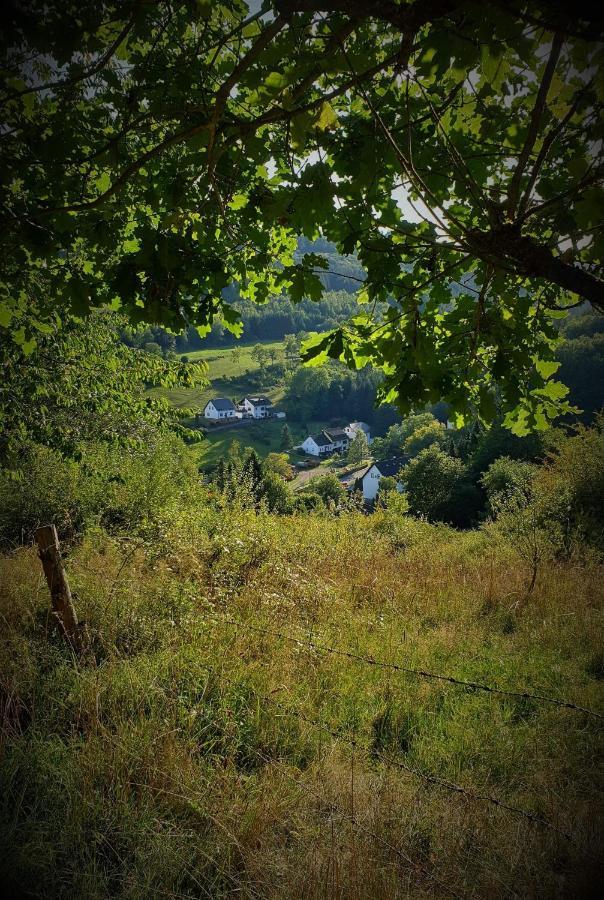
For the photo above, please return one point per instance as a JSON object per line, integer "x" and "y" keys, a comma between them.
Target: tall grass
{"x": 195, "y": 751}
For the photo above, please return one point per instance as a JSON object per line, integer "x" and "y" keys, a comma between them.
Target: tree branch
{"x": 548, "y": 142}
{"x": 100, "y": 64}
{"x": 534, "y": 124}
{"x": 535, "y": 260}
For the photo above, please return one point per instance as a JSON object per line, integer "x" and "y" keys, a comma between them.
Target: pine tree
{"x": 252, "y": 474}
{"x": 286, "y": 439}
{"x": 220, "y": 476}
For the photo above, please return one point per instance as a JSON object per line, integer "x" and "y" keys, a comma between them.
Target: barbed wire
{"x": 311, "y": 643}
{"x": 428, "y": 777}
{"x": 334, "y": 808}
{"x": 350, "y": 817}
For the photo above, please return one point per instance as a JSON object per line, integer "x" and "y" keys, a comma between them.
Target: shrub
{"x": 116, "y": 486}
{"x": 430, "y": 480}
{"x": 507, "y": 478}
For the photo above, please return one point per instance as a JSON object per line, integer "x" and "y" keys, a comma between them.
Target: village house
{"x": 318, "y": 444}
{"x": 367, "y": 480}
{"x": 326, "y": 442}
{"x": 258, "y": 407}
{"x": 220, "y": 408}
{"x": 352, "y": 429}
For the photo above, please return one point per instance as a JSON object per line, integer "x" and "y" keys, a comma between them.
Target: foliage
{"x": 582, "y": 369}
{"x": 81, "y": 384}
{"x": 359, "y": 448}
{"x": 424, "y": 436}
{"x": 407, "y": 435}
{"x": 276, "y": 494}
{"x": 329, "y": 488}
{"x": 570, "y": 488}
{"x": 430, "y": 480}
{"x": 505, "y": 480}
{"x": 157, "y": 158}
{"x": 116, "y": 487}
{"x": 334, "y": 392}
{"x": 278, "y": 464}
{"x": 287, "y": 442}
{"x": 498, "y": 441}
{"x": 244, "y": 482}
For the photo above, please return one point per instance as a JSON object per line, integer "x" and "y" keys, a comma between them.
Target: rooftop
{"x": 260, "y": 401}
{"x": 322, "y": 439}
{"x": 336, "y": 434}
{"x": 392, "y": 466}
{"x": 222, "y": 403}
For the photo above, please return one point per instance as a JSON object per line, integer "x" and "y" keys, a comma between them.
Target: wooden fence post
{"x": 60, "y": 595}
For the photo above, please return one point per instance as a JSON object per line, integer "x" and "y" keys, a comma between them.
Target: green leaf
{"x": 546, "y": 368}
{"x": 103, "y": 182}
{"x": 327, "y": 117}
{"x": 238, "y": 201}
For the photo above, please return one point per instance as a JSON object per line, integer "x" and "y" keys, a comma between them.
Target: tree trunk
{"x": 60, "y": 595}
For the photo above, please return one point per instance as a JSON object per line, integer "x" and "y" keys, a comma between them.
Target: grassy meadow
{"x": 223, "y": 363}
{"x": 212, "y": 744}
{"x": 227, "y": 364}
{"x": 263, "y": 437}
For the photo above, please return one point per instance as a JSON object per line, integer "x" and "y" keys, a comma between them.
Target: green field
{"x": 223, "y": 364}
{"x": 264, "y": 437}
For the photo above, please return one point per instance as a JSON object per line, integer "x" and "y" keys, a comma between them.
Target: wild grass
{"x": 196, "y": 751}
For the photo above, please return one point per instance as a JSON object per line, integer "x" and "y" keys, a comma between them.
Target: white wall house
{"x": 318, "y": 444}
{"x": 369, "y": 479}
{"x": 339, "y": 438}
{"x": 352, "y": 429}
{"x": 326, "y": 442}
{"x": 258, "y": 407}
{"x": 220, "y": 408}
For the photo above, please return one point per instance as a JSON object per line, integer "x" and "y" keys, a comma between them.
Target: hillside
{"x": 265, "y": 710}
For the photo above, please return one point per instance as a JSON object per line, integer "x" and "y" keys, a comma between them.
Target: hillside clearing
{"x": 212, "y": 741}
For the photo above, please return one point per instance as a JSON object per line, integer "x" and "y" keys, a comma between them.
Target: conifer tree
{"x": 286, "y": 439}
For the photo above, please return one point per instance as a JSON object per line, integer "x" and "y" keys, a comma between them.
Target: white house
{"x": 352, "y": 429}
{"x": 318, "y": 444}
{"x": 368, "y": 480}
{"x": 339, "y": 438}
{"x": 220, "y": 408}
{"x": 258, "y": 407}
{"x": 326, "y": 442}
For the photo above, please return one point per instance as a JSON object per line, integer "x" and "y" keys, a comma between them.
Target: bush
{"x": 329, "y": 487}
{"x": 309, "y": 501}
{"x": 506, "y": 479}
{"x": 49, "y": 489}
{"x": 430, "y": 480}
{"x": 118, "y": 487}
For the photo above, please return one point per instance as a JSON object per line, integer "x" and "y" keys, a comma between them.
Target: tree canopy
{"x": 159, "y": 156}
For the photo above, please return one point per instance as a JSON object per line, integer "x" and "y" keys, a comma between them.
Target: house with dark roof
{"x": 327, "y": 441}
{"x": 367, "y": 480}
{"x": 220, "y": 408}
{"x": 339, "y": 438}
{"x": 318, "y": 444}
{"x": 257, "y": 407}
